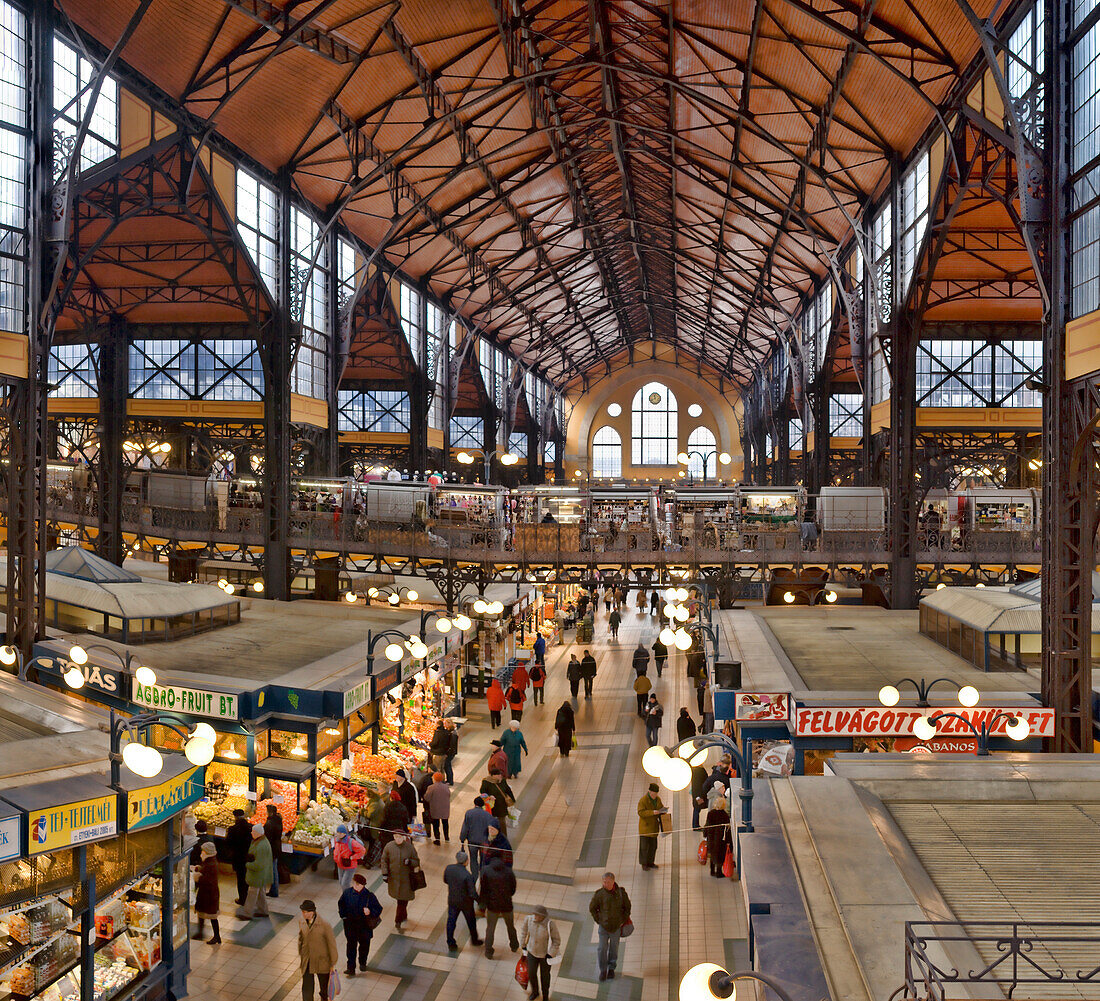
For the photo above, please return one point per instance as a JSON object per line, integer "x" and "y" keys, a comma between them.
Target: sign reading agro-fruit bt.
{"x": 875, "y": 721}
{"x": 190, "y": 701}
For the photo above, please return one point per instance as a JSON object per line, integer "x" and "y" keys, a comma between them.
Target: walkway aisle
{"x": 579, "y": 819}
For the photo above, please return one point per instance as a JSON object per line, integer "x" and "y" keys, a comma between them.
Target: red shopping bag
{"x": 522, "y": 976}
{"x": 703, "y": 852}
{"x": 728, "y": 868}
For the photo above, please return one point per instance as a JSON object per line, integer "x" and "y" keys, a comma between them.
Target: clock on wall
{"x": 654, "y": 398}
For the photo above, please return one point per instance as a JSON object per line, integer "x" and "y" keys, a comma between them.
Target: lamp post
{"x": 889, "y": 695}
{"x": 444, "y": 621}
{"x": 671, "y": 766}
{"x": 709, "y": 981}
{"x": 506, "y": 459}
{"x": 146, "y": 761}
{"x": 1018, "y": 728}
{"x": 12, "y": 655}
{"x": 704, "y": 456}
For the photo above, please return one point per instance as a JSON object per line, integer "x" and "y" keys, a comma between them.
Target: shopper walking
{"x": 660, "y": 655}
{"x": 407, "y": 791}
{"x": 565, "y": 723}
{"x": 650, "y": 808}
{"x": 610, "y": 909}
{"x": 239, "y": 842}
{"x": 374, "y": 810}
{"x": 538, "y": 683}
{"x": 273, "y": 831}
{"x": 654, "y": 602}
{"x": 515, "y": 698}
{"x": 461, "y": 896}
{"x": 503, "y": 797}
{"x": 640, "y": 660}
{"x": 437, "y": 749}
{"x": 498, "y": 887}
{"x": 208, "y": 892}
{"x": 538, "y": 648}
{"x": 437, "y": 805}
{"x": 494, "y": 698}
{"x": 452, "y": 750}
{"x": 698, "y": 794}
{"x": 685, "y": 725}
{"x": 347, "y": 852}
{"x": 317, "y": 952}
{"x": 514, "y": 748}
{"x": 257, "y": 876}
{"x": 394, "y": 818}
{"x": 399, "y": 862}
{"x": 573, "y": 675}
{"x": 613, "y": 621}
{"x": 642, "y": 688}
{"x": 608, "y": 597}
{"x": 497, "y": 758}
{"x": 719, "y": 835}
{"x": 701, "y": 690}
{"x": 361, "y": 913}
{"x": 654, "y": 714}
{"x": 541, "y": 942}
{"x": 498, "y": 844}
{"x": 475, "y": 832}
{"x": 641, "y": 601}
{"x": 520, "y": 678}
{"x": 588, "y": 673}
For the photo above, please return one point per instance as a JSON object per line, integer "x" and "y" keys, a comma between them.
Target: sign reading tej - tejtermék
{"x": 192, "y": 701}
{"x": 875, "y": 721}
{"x": 71, "y": 824}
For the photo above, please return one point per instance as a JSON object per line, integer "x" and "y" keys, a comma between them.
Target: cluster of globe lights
{"x": 925, "y": 729}
{"x": 675, "y": 611}
{"x": 673, "y": 771}
{"x": 416, "y": 647}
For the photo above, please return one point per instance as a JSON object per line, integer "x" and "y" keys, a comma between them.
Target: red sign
{"x": 937, "y": 745}
{"x": 877, "y": 721}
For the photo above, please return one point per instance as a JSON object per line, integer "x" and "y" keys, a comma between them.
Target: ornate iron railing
{"x": 1005, "y": 954}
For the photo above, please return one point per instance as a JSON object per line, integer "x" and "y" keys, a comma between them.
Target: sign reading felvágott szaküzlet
{"x": 191, "y": 701}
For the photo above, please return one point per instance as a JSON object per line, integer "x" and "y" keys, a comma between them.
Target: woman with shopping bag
{"x": 719, "y": 840}
{"x": 401, "y": 871}
{"x": 541, "y": 943}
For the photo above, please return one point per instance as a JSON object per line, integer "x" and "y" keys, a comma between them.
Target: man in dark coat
{"x": 588, "y": 672}
{"x": 452, "y": 751}
{"x": 475, "y": 832}
{"x": 355, "y": 904}
{"x": 273, "y": 830}
{"x": 573, "y": 674}
{"x": 406, "y": 791}
{"x": 660, "y": 655}
{"x": 239, "y": 839}
{"x": 461, "y": 896}
{"x": 641, "y": 659}
{"x": 498, "y": 887}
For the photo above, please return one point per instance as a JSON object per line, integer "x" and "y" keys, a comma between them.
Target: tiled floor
{"x": 579, "y": 820}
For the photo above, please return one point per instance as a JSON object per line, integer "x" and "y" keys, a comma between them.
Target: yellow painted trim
{"x": 1083, "y": 345}
{"x": 135, "y": 127}
{"x": 73, "y": 405}
{"x": 435, "y": 438}
{"x": 844, "y": 441}
{"x": 199, "y": 409}
{"x": 14, "y": 352}
{"x": 880, "y": 416}
{"x": 991, "y": 417}
{"x": 374, "y": 438}
{"x": 306, "y": 410}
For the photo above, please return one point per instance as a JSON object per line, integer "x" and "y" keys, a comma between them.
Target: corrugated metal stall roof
{"x": 989, "y": 609}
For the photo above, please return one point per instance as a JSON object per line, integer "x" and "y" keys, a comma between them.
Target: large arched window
{"x": 702, "y": 446}
{"x": 653, "y": 426}
{"x": 607, "y": 452}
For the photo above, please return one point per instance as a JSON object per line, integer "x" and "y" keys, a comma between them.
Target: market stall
{"x": 1001, "y": 521}
{"x": 770, "y": 518}
{"x": 549, "y": 520}
{"x": 701, "y": 517}
{"x": 470, "y": 517}
{"x": 621, "y": 519}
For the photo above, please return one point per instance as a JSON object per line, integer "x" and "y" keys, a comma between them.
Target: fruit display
{"x": 287, "y": 809}
{"x": 317, "y": 824}
{"x": 221, "y": 814}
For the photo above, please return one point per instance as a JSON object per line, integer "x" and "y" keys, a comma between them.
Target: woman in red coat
{"x": 516, "y": 697}
{"x": 495, "y": 698}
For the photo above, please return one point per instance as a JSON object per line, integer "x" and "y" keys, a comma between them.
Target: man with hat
{"x": 360, "y": 911}
{"x": 650, "y": 809}
{"x": 317, "y": 952}
{"x": 541, "y": 943}
{"x": 498, "y": 758}
{"x": 347, "y": 852}
{"x": 461, "y": 896}
{"x": 257, "y": 874}
{"x": 407, "y": 791}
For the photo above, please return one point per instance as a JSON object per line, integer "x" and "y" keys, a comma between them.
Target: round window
{"x": 694, "y": 410}
{"x": 613, "y": 409}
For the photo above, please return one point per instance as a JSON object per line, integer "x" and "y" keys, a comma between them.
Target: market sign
{"x": 875, "y": 721}
{"x": 102, "y": 679}
{"x": 191, "y": 701}
{"x": 9, "y": 838}
{"x": 357, "y": 696}
{"x": 71, "y": 824}
{"x": 155, "y": 804}
{"x": 937, "y": 745}
{"x": 770, "y": 706}
{"x": 383, "y": 681}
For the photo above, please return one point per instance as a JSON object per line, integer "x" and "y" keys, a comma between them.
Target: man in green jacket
{"x": 610, "y": 909}
{"x": 650, "y": 808}
{"x": 258, "y": 876}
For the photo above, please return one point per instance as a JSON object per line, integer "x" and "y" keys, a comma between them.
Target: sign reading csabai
{"x": 875, "y": 721}
{"x": 192, "y": 701}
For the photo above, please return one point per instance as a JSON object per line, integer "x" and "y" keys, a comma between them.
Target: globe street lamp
{"x": 671, "y": 766}
{"x": 704, "y": 456}
{"x": 147, "y": 761}
{"x": 889, "y": 695}
{"x": 709, "y": 981}
{"x": 1017, "y": 728}
{"x": 506, "y": 459}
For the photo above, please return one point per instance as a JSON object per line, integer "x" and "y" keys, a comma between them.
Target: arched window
{"x": 607, "y": 452}
{"x": 653, "y": 426}
{"x": 701, "y": 445}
